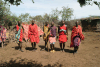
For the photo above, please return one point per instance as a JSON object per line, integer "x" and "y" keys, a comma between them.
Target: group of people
{"x": 50, "y": 35}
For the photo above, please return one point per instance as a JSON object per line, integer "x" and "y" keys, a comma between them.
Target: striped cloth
{"x": 26, "y": 29}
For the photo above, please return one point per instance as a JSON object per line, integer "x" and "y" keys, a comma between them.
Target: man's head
{"x": 46, "y": 23}
{"x": 33, "y": 21}
{"x": 77, "y": 23}
{"x": 52, "y": 23}
{"x": 19, "y": 23}
{"x": 62, "y": 22}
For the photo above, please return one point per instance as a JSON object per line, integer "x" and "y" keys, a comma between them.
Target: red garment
{"x": 17, "y": 27}
{"x": 25, "y": 33}
{"x": 48, "y": 25}
{"x": 33, "y": 33}
{"x": 76, "y": 31}
{"x": 40, "y": 32}
{"x": 21, "y": 33}
{"x": 62, "y": 35}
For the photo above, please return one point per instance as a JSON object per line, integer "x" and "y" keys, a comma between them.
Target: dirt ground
{"x": 88, "y": 54}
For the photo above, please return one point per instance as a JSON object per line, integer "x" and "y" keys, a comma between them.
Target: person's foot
{"x": 21, "y": 50}
{"x": 51, "y": 51}
{"x": 75, "y": 52}
{"x": 34, "y": 49}
{"x": 63, "y": 50}
{"x": 44, "y": 48}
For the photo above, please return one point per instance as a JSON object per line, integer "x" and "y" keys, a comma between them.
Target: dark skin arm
{"x": 67, "y": 31}
{"x": 43, "y": 28}
{"x": 58, "y": 29}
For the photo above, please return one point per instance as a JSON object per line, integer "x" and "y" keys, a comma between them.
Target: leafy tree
{"x": 24, "y": 17}
{"x": 66, "y": 13}
{"x": 88, "y": 2}
{"x": 55, "y": 14}
{"x": 4, "y": 12}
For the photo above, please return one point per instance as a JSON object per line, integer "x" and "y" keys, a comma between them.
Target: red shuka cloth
{"x": 21, "y": 33}
{"x": 33, "y": 34}
{"x": 62, "y": 35}
{"x": 25, "y": 33}
{"x": 75, "y": 31}
{"x": 40, "y": 32}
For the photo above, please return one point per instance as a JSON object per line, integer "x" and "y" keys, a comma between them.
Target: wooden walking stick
{"x": 47, "y": 46}
{"x": 2, "y": 43}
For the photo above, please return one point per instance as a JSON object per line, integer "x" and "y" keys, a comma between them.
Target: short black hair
{"x": 46, "y": 22}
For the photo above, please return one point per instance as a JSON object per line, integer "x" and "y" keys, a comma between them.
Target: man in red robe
{"x": 21, "y": 35}
{"x": 63, "y": 34}
{"x": 33, "y": 34}
{"x": 76, "y": 36}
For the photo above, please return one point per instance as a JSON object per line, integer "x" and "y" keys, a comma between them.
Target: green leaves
{"x": 24, "y": 17}
{"x": 88, "y": 2}
{"x": 66, "y": 13}
{"x": 13, "y": 2}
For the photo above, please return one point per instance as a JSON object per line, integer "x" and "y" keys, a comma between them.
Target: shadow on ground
{"x": 43, "y": 48}
{"x": 16, "y": 47}
{"x": 30, "y": 48}
{"x": 25, "y": 63}
{"x": 66, "y": 50}
{"x": 56, "y": 49}
{"x": 69, "y": 51}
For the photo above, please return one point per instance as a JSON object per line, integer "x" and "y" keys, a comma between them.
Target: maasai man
{"x": 46, "y": 30}
{"x": 2, "y": 35}
{"x": 33, "y": 34}
{"x": 76, "y": 36}
{"x": 52, "y": 36}
{"x": 63, "y": 34}
{"x": 19, "y": 35}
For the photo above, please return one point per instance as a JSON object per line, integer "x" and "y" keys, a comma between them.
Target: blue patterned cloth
{"x": 17, "y": 36}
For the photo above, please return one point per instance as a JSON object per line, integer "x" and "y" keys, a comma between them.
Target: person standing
{"x": 46, "y": 30}
{"x": 76, "y": 37}
{"x": 52, "y": 36}
{"x": 19, "y": 35}
{"x": 33, "y": 34}
{"x": 63, "y": 34}
{"x": 2, "y": 35}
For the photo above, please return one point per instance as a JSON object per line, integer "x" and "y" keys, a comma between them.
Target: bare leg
{"x": 47, "y": 46}
{"x": 0, "y": 44}
{"x": 21, "y": 46}
{"x": 53, "y": 46}
{"x": 63, "y": 46}
{"x": 32, "y": 45}
{"x": 75, "y": 49}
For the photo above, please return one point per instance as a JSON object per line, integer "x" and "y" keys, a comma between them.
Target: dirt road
{"x": 88, "y": 54}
